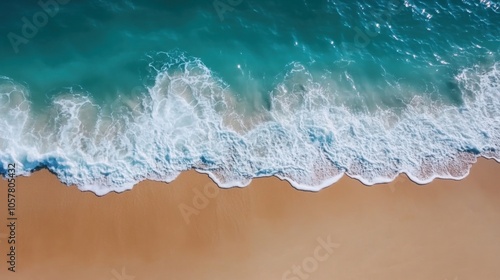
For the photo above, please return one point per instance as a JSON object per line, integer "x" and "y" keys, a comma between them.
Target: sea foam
{"x": 190, "y": 119}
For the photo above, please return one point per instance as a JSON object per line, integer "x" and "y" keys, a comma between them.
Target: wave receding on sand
{"x": 189, "y": 119}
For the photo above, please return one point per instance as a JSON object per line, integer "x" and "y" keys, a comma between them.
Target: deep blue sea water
{"x": 108, "y": 93}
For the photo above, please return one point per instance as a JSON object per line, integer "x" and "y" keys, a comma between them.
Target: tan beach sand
{"x": 444, "y": 230}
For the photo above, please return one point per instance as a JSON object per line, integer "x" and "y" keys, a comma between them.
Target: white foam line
{"x": 187, "y": 121}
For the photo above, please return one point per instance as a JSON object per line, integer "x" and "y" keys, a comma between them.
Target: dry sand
{"x": 444, "y": 230}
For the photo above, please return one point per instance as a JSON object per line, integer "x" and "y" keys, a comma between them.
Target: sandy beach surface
{"x": 189, "y": 229}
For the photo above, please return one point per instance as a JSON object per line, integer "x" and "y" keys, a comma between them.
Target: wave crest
{"x": 189, "y": 119}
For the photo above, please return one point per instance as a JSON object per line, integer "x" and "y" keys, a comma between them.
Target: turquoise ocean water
{"x": 108, "y": 93}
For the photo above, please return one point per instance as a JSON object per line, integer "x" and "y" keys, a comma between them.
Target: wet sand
{"x": 268, "y": 230}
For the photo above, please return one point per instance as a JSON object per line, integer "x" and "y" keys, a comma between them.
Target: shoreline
{"x": 399, "y": 230}
{"x": 327, "y": 183}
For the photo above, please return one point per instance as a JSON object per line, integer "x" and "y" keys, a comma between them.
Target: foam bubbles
{"x": 189, "y": 119}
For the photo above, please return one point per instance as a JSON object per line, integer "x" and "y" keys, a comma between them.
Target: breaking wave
{"x": 190, "y": 119}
